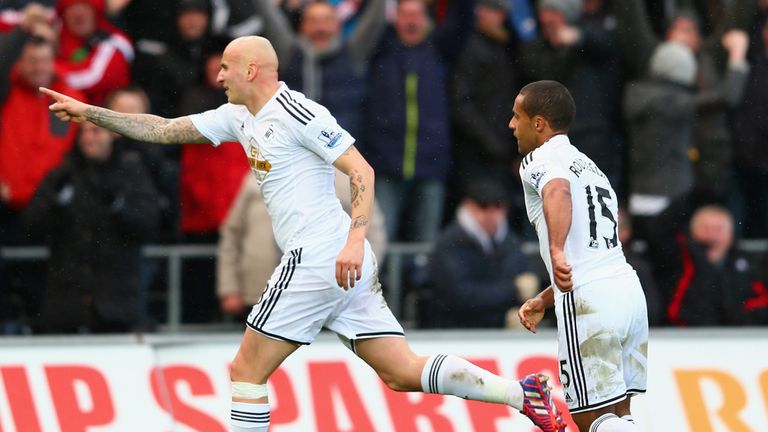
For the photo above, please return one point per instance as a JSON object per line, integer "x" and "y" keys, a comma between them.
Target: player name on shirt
{"x": 578, "y": 166}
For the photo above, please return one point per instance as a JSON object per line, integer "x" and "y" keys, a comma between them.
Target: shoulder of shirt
{"x": 295, "y": 109}
{"x": 546, "y": 152}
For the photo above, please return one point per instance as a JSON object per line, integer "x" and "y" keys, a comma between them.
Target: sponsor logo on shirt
{"x": 330, "y": 138}
{"x": 259, "y": 165}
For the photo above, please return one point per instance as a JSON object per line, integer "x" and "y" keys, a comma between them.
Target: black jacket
{"x": 706, "y": 294}
{"x": 469, "y": 287}
{"x": 94, "y": 218}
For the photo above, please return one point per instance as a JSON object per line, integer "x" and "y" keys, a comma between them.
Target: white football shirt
{"x": 291, "y": 144}
{"x": 592, "y": 247}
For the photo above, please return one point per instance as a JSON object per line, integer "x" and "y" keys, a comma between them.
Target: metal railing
{"x": 176, "y": 254}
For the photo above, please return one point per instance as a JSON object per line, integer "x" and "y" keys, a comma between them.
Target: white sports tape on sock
{"x": 245, "y": 390}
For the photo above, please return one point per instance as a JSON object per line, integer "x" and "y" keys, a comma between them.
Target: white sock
{"x": 248, "y": 417}
{"x": 451, "y": 375}
{"x": 612, "y": 423}
{"x": 628, "y": 418}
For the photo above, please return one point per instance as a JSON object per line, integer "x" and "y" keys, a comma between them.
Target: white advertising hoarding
{"x": 699, "y": 381}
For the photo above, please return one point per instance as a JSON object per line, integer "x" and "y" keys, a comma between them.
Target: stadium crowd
{"x": 672, "y": 104}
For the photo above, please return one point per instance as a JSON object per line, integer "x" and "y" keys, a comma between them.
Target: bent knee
{"x": 400, "y": 382}
{"x": 240, "y": 371}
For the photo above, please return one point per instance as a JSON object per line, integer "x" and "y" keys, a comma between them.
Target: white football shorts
{"x": 603, "y": 342}
{"x": 302, "y": 297}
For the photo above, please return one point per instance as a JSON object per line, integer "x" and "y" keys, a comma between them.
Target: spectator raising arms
{"x": 94, "y": 56}
{"x": 32, "y": 142}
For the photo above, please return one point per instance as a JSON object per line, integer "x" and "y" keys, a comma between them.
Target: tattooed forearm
{"x": 356, "y": 187}
{"x": 146, "y": 127}
{"x": 359, "y": 222}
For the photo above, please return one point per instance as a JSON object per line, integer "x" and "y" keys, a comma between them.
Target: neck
{"x": 264, "y": 93}
{"x": 544, "y": 137}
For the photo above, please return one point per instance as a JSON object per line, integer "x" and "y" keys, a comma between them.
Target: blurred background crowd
{"x": 672, "y": 104}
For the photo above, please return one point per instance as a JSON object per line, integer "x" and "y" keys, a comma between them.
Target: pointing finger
{"x": 56, "y": 95}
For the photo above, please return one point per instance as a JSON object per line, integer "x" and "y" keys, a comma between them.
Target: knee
{"x": 238, "y": 370}
{"x": 398, "y": 382}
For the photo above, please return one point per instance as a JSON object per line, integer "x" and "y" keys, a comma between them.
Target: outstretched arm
{"x": 349, "y": 264}
{"x": 140, "y": 127}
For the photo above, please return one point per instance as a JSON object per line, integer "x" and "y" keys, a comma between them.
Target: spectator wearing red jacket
{"x": 210, "y": 180}
{"x": 94, "y": 56}
{"x": 32, "y": 140}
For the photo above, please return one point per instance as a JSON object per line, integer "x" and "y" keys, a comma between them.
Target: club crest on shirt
{"x": 270, "y": 133}
{"x": 536, "y": 177}
{"x": 329, "y": 137}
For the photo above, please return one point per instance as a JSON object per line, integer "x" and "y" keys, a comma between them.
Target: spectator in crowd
{"x": 231, "y": 19}
{"x": 751, "y": 130}
{"x": 248, "y": 253}
{"x": 483, "y": 142}
{"x": 322, "y": 65}
{"x": 713, "y": 283}
{"x": 660, "y": 113}
{"x": 162, "y": 168}
{"x": 94, "y": 212}
{"x": 408, "y": 131}
{"x": 478, "y": 270}
{"x": 12, "y": 12}
{"x": 94, "y": 56}
{"x": 152, "y": 24}
{"x": 205, "y": 203}
{"x": 168, "y": 70}
{"x": 720, "y": 79}
{"x": 32, "y": 140}
{"x": 578, "y": 47}
{"x": 644, "y": 269}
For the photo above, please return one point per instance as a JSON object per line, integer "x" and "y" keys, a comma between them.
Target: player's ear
{"x": 539, "y": 123}
{"x": 253, "y": 71}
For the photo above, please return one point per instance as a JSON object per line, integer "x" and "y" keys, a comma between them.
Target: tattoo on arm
{"x": 356, "y": 188}
{"x": 147, "y": 127}
{"x": 359, "y": 222}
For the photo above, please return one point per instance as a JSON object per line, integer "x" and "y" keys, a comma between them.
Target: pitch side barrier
{"x": 175, "y": 255}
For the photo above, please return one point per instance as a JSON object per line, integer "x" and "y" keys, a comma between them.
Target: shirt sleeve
{"x": 326, "y": 138}
{"x": 538, "y": 173}
{"x": 215, "y": 124}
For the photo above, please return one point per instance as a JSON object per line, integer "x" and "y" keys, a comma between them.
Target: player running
{"x": 600, "y": 306}
{"x": 327, "y": 276}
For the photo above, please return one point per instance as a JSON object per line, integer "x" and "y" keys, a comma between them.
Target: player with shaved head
{"x": 327, "y": 276}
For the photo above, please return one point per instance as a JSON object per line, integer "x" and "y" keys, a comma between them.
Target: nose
{"x": 219, "y": 78}
{"x": 512, "y": 123}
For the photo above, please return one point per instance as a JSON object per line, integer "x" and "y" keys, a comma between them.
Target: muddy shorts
{"x": 603, "y": 342}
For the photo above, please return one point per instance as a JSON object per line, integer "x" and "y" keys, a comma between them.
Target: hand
{"x": 562, "y": 272}
{"x": 66, "y": 108}
{"x": 44, "y": 31}
{"x": 349, "y": 264}
{"x": 531, "y": 313}
{"x": 5, "y": 192}
{"x": 232, "y": 304}
{"x": 35, "y": 13}
{"x": 736, "y": 42}
{"x": 568, "y": 35}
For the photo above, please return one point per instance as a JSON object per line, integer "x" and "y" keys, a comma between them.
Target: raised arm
{"x": 364, "y": 40}
{"x": 558, "y": 209}
{"x": 140, "y": 127}
{"x": 349, "y": 263}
